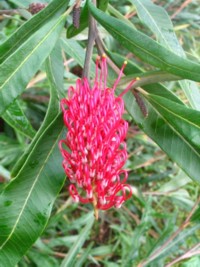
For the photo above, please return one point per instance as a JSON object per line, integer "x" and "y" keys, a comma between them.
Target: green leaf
{"x": 43, "y": 260}
{"x": 157, "y": 20}
{"x": 196, "y": 216}
{"x": 184, "y": 120}
{"x": 16, "y": 118}
{"x": 26, "y": 203}
{"x": 146, "y": 48}
{"x": 192, "y": 262}
{"x": 172, "y": 141}
{"x": 10, "y": 150}
{"x": 83, "y": 258}
{"x": 167, "y": 137}
{"x": 19, "y": 68}
{"x": 54, "y": 67}
{"x": 70, "y": 258}
{"x": 30, "y": 27}
{"x": 131, "y": 68}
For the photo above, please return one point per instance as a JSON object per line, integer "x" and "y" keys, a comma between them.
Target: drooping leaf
{"x": 168, "y": 138}
{"x": 157, "y": 20}
{"x": 182, "y": 119}
{"x": 131, "y": 69}
{"x": 146, "y": 48}
{"x": 175, "y": 144}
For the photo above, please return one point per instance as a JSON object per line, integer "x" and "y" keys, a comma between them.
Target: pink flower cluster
{"x": 94, "y": 151}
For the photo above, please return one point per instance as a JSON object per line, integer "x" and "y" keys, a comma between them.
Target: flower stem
{"x": 96, "y": 211}
{"x": 90, "y": 45}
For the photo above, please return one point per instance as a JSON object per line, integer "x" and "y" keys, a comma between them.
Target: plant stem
{"x": 90, "y": 45}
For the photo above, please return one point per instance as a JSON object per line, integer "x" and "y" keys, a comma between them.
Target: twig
{"x": 188, "y": 254}
{"x": 149, "y": 162}
{"x": 90, "y": 44}
{"x": 187, "y": 2}
{"x": 183, "y": 225}
{"x": 9, "y": 11}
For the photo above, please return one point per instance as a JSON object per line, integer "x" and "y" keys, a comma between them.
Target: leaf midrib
{"x": 32, "y": 52}
{"x": 172, "y": 127}
{"x": 31, "y": 190}
{"x": 36, "y": 25}
{"x": 146, "y": 51}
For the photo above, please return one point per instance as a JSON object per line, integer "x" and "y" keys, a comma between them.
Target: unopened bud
{"x": 34, "y": 8}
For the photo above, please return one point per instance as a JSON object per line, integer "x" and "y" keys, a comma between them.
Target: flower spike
{"x": 94, "y": 150}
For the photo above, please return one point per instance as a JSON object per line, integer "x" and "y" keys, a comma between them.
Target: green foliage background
{"x": 40, "y": 57}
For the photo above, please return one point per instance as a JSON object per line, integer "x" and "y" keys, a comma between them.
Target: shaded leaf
{"x": 84, "y": 20}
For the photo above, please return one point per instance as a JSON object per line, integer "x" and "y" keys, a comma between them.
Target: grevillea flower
{"x": 94, "y": 151}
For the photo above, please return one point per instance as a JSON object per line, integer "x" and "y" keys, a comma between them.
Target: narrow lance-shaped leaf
{"x": 168, "y": 138}
{"x": 30, "y": 27}
{"x": 155, "y": 126}
{"x": 18, "y": 69}
{"x": 131, "y": 69}
{"x": 157, "y": 20}
{"x": 54, "y": 67}
{"x": 182, "y": 119}
{"x": 146, "y": 48}
{"x": 26, "y": 203}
